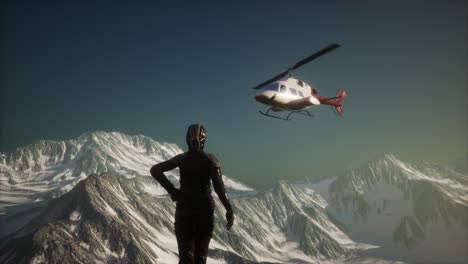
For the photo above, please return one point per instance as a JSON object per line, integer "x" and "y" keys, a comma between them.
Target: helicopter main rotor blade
{"x": 274, "y": 79}
{"x": 315, "y": 55}
{"x": 299, "y": 64}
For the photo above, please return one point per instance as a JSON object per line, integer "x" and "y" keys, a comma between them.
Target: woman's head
{"x": 196, "y": 137}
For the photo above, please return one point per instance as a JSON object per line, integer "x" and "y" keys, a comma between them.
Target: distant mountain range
{"x": 92, "y": 200}
{"x": 414, "y": 213}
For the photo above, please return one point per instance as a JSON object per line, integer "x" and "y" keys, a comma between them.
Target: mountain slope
{"x": 53, "y": 212}
{"x": 33, "y": 175}
{"x": 414, "y": 213}
{"x": 104, "y": 219}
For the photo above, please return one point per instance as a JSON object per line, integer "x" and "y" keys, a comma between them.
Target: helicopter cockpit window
{"x": 272, "y": 87}
{"x": 300, "y": 83}
{"x": 293, "y": 91}
{"x": 282, "y": 89}
{"x": 300, "y": 93}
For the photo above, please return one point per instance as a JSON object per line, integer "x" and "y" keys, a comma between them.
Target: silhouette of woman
{"x": 195, "y": 205}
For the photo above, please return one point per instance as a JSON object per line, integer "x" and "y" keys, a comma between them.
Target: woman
{"x": 195, "y": 205}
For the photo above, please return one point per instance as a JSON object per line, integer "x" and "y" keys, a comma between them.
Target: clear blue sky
{"x": 153, "y": 69}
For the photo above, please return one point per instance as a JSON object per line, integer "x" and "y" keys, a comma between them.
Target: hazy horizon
{"x": 456, "y": 164}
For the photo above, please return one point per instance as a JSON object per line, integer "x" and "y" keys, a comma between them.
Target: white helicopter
{"x": 294, "y": 95}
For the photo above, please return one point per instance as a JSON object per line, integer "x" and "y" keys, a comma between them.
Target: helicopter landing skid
{"x": 301, "y": 112}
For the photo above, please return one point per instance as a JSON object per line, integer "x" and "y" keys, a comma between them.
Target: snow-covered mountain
{"x": 415, "y": 213}
{"x": 105, "y": 219}
{"x": 121, "y": 215}
{"x": 54, "y": 167}
{"x": 34, "y": 174}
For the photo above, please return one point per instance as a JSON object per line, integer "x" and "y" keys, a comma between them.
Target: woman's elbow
{"x": 155, "y": 170}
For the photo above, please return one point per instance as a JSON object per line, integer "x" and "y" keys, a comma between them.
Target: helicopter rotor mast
{"x": 299, "y": 64}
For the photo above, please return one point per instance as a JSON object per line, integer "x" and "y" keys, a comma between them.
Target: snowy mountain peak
{"x": 387, "y": 161}
{"x": 92, "y": 152}
{"x": 395, "y": 203}
{"x": 47, "y": 169}
{"x": 394, "y": 170}
{"x": 102, "y": 138}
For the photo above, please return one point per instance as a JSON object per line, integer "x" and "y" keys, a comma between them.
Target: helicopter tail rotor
{"x": 343, "y": 95}
{"x": 339, "y": 103}
{"x": 339, "y": 110}
{"x": 335, "y": 102}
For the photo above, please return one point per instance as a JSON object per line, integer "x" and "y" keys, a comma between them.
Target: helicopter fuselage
{"x": 288, "y": 95}
{"x": 295, "y": 96}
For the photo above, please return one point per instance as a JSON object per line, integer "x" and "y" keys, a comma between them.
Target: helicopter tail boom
{"x": 334, "y": 101}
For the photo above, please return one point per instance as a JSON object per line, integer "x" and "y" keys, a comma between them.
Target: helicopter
{"x": 295, "y": 96}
